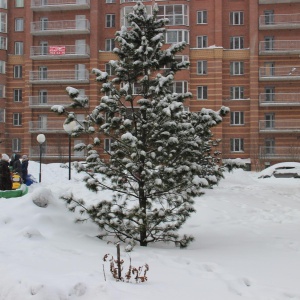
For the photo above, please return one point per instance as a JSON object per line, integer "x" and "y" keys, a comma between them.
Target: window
{"x": 269, "y": 69}
{"x": 3, "y": 43}
{"x": 128, "y": 9}
{"x": 18, "y": 71}
{"x": 17, "y": 119}
{"x": 237, "y": 118}
{"x": 109, "y": 69}
{"x": 176, "y": 36}
{"x": 2, "y": 67}
{"x": 107, "y": 144}
{"x": 137, "y": 88}
{"x": 109, "y": 44}
{"x": 42, "y": 121}
{"x": 110, "y": 20}
{"x": 269, "y": 43}
{"x": 270, "y": 146}
{"x": 19, "y": 48}
{"x": 269, "y": 17}
{"x": 44, "y": 23}
{"x": 237, "y": 42}
{"x": 269, "y": 93}
{"x": 80, "y": 72}
{"x": 202, "y": 41}
{"x": 270, "y": 120}
{"x": 237, "y": 145}
{"x": 201, "y": 67}
{"x": 43, "y": 96}
{"x": 177, "y": 14}
{"x": 236, "y": 92}
{"x": 2, "y": 115}
{"x": 3, "y": 22}
{"x": 17, "y": 95}
{"x": 43, "y": 73}
{"x": 202, "y": 17}
{"x": 110, "y": 1}
{"x": 202, "y": 92}
{"x": 237, "y": 68}
{"x": 3, "y": 4}
{"x": 16, "y": 145}
{"x": 180, "y": 87}
{"x": 19, "y": 3}
{"x": 43, "y": 48}
{"x": 2, "y": 91}
{"x": 19, "y": 24}
{"x": 236, "y": 18}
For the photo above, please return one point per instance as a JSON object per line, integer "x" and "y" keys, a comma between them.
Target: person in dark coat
{"x": 17, "y": 166}
{"x": 12, "y": 160}
{"x": 24, "y": 168}
{"x": 5, "y": 176}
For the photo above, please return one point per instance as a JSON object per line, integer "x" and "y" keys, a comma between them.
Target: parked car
{"x": 282, "y": 170}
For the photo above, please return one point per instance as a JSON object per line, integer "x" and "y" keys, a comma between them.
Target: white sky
{"x": 247, "y": 245}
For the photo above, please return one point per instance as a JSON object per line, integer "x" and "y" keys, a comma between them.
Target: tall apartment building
{"x": 244, "y": 54}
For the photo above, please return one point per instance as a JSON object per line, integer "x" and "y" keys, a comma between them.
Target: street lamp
{"x": 41, "y": 139}
{"x": 69, "y": 129}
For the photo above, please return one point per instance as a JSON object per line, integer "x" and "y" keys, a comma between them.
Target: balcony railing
{"x": 59, "y": 76}
{"x": 49, "y": 101}
{"x": 46, "y": 126}
{"x": 279, "y": 99}
{"x": 128, "y": 1}
{"x": 277, "y": 1}
{"x": 60, "y": 27}
{"x": 289, "y": 153}
{"x": 284, "y": 126}
{"x": 285, "y": 73}
{"x": 59, "y": 52}
{"x": 279, "y": 47}
{"x": 54, "y": 152}
{"x": 279, "y": 21}
{"x": 43, "y": 5}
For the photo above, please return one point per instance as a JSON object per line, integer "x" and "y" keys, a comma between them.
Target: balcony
{"x": 59, "y": 52}
{"x": 277, "y": 1}
{"x": 54, "y": 152}
{"x": 286, "y": 73}
{"x": 59, "y": 76}
{"x": 49, "y": 101}
{"x": 63, "y": 27}
{"x": 279, "y": 99}
{"x": 279, "y": 126}
{"x": 51, "y": 5}
{"x": 46, "y": 126}
{"x": 291, "y": 153}
{"x": 279, "y": 47}
{"x": 279, "y": 21}
{"x": 128, "y": 1}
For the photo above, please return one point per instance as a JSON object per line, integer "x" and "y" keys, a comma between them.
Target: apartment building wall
{"x": 236, "y": 60}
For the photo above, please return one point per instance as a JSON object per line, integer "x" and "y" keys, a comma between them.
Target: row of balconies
{"x": 277, "y": 1}
{"x": 46, "y": 5}
{"x": 291, "y": 153}
{"x": 62, "y": 27}
{"x": 279, "y": 126}
{"x": 285, "y": 73}
{"x": 59, "y": 52}
{"x": 276, "y": 47}
{"x": 279, "y": 21}
{"x": 48, "y": 101}
{"x": 59, "y": 76}
{"x": 55, "y": 152}
{"x": 265, "y": 126}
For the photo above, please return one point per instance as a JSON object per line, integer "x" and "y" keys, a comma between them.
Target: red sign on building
{"x": 57, "y": 50}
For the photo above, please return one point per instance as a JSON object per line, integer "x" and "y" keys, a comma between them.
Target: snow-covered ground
{"x": 247, "y": 246}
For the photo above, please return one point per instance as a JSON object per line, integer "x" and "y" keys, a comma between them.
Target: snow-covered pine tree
{"x": 161, "y": 156}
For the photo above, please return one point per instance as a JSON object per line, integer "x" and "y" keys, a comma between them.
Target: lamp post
{"x": 68, "y": 129}
{"x": 41, "y": 139}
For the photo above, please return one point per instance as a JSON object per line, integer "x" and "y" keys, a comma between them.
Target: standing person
{"x": 5, "y": 176}
{"x": 17, "y": 166}
{"x": 24, "y": 167}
